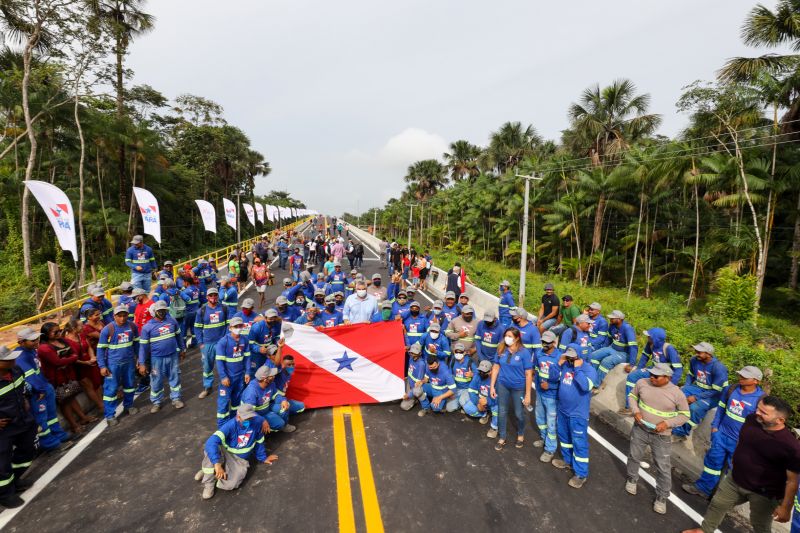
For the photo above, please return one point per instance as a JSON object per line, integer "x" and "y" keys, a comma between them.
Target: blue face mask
{"x": 246, "y": 423}
{"x": 290, "y": 370}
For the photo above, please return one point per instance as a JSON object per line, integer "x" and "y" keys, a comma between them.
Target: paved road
{"x": 437, "y": 473}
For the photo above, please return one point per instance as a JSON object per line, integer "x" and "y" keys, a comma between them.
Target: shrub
{"x": 735, "y": 296}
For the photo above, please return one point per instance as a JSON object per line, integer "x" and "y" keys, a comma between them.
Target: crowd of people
{"x": 551, "y": 363}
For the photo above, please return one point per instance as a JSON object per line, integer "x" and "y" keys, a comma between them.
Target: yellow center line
{"x": 369, "y": 496}
{"x": 347, "y": 523}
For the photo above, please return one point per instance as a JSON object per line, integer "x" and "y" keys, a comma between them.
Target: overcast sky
{"x": 342, "y": 96}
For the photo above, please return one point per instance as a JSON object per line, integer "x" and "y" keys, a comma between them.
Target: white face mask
{"x": 361, "y": 293}
{"x": 510, "y": 340}
{"x": 434, "y": 335}
{"x": 459, "y": 356}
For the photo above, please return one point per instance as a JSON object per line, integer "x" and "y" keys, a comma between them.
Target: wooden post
{"x": 55, "y": 281}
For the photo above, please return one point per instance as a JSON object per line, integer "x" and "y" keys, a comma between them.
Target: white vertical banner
{"x": 148, "y": 207}
{"x": 268, "y": 212}
{"x": 208, "y": 214}
{"x": 230, "y": 212}
{"x": 251, "y": 215}
{"x": 59, "y": 211}
{"x": 260, "y": 213}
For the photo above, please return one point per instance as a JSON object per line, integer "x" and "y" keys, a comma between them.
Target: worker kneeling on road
{"x": 414, "y": 377}
{"x": 227, "y": 452}
{"x": 439, "y": 389}
{"x": 658, "y": 406}
{"x": 478, "y": 402}
{"x": 259, "y": 393}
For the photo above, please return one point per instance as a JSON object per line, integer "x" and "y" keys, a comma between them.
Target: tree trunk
{"x": 123, "y": 189}
{"x": 693, "y": 289}
{"x": 795, "y": 248}
{"x": 26, "y": 109}
{"x": 82, "y": 271}
{"x": 636, "y": 246}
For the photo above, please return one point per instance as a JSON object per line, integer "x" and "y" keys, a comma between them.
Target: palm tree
{"x": 426, "y": 177}
{"x": 509, "y": 145}
{"x": 611, "y": 118}
{"x": 123, "y": 20}
{"x": 462, "y": 160}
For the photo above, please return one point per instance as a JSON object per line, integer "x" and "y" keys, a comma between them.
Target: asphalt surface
{"x": 436, "y": 473}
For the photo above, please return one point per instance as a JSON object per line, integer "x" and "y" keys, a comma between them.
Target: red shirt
{"x": 58, "y": 364}
{"x": 142, "y": 314}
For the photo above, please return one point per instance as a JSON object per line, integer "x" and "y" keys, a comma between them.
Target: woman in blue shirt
{"x": 512, "y": 375}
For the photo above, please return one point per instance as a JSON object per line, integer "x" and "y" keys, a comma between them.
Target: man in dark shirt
{"x": 765, "y": 470}
{"x": 548, "y": 311}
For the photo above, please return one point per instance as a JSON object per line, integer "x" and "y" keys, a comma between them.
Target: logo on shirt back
{"x": 568, "y": 378}
{"x": 243, "y": 439}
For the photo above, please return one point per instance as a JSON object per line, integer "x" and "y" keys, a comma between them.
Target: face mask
{"x": 300, "y": 301}
{"x": 320, "y": 300}
{"x": 290, "y": 370}
{"x": 414, "y": 312}
{"x": 282, "y": 308}
{"x": 330, "y": 307}
{"x": 489, "y": 323}
{"x": 509, "y": 340}
{"x": 467, "y": 318}
{"x": 361, "y": 293}
{"x": 484, "y": 375}
{"x": 161, "y": 314}
{"x": 548, "y": 346}
{"x": 376, "y": 283}
{"x": 456, "y": 270}
{"x": 386, "y": 314}
{"x": 246, "y": 423}
{"x": 437, "y": 312}
{"x": 459, "y": 356}
{"x": 434, "y": 336}
{"x": 236, "y": 331}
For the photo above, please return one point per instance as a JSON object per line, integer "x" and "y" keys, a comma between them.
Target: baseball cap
{"x": 264, "y": 372}
{"x": 121, "y": 309}
{"x": 138, "y": 292}
{"x": 376, "y": 276}
{"x": 438, "y": 304}
{"x": 125, "y": 286}
{"x": 467, "y": 310}
{"x": 386, "y": 304}
{"x": 704, "y": 347}
{"x": 246, "y": 411}
{"x": 549, "y": 337}
{"x": 751, "y": 372}
{"x": 583, "y": 319}
{"x": 411, "y": 290}
{"x": 505, "y": 283}
{"x": 596, "y": 306}
{"x": 415, "y": 348}
{"x": 319, "y": 291}
{"x": 616, "y": 314}
{"x": 137, "y": 239}
{"x": 224, "y": 279}
{"x": 489, "y": 314}
{"x": 337, "y": 263}
{"x": 212, "y": 290}
{"x": 161, "y": 304}
{"x": 270, "y": 313}
{"x": 661, "y": 369}
{"x": 570, "y": 353}
{"x": 549, "y": 287}
{"x": 329, "y": 299}
{"x": 97, "y": 292}
{"x": 414, "y": 304}
{"x": 449, "y": 294}
{"x": 8, "y": 355}
{"x": 28, "y": 334}
{"x": 168, "y": 263}
{"x": 566, "y": 298}
{"x": 520, "y": 312}
{"x": 287, "y": 281}
{"x": 248, "y": 303}
{"x": 281, "y": 300}
{"x": 485, "y": 366}
{"x": 435, "y": 327}
{"x": 401, "y": 292}
{"x": 311, "y": 305}
{"x": 236, "y": 321}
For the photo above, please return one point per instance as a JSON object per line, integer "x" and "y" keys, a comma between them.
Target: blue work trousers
{"x": 573, "y": 435}
{"x": 122, "y": 375}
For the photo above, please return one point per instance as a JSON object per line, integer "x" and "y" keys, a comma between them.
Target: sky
{"x": 341, "y": 97}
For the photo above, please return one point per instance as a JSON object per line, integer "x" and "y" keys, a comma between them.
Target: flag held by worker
{"x": 362, "y": 363}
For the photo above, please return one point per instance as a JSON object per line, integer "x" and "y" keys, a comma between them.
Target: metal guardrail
{"x": 222, "y": 253}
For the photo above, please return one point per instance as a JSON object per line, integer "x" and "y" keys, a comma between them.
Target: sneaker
{"x": 423, "y": 412}
{"x": 112, "y": 422}
{"x": 156, "y": 408}
{"x": 559, "y": 463}
{"x": 21, "y": 485}
{"x": 692, "y": 489}
{"x": 132, "y": 410}
{"x": 660, "y": 506}
{"x": 625, "y": 412}
{"x": 205, "y": 393}
{"x": 630, "y": 487}
{"x": 11, "y": 501}
{"x": 208, "y": 491}
{"x": 538, "y": 443}
{"x": 177, "y": 404}
{"x": 546, "y": 457}
{"x": 288, "y": 428}
{"x": 577, "y": 482}
{"x": 484, "y": 420}
{"x": 492, "y": 433}
{"x": 199, "y": 475}
{"x": 595, "y": 391}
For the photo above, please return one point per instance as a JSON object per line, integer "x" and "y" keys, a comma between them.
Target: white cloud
{"x": 410, "y": 145}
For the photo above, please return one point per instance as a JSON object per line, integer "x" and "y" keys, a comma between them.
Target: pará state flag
{"x": 362, "y": 363}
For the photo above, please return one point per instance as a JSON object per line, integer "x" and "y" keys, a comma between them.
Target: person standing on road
{"x": 765, "y": 473}
{"x": 546, "y": 385}
{"x": 462, "y": 329}
{"x": 260, "y": 274}
{"x": 576, "y": 381}
{"x": 116, "y": 357}
{"x": 209, "y": 327}
{"x": 657, "y": 350}
{"x": 488, "y": 336}
{"x": 454, "y": 280}
{"x": 377, "y": 290}
{"x": 658, "y": 405}
{"x": 160, "y": 342}
{"x": 191, "y": 295}
{"x": 512, "y": 376}
{"x": 506, "y": 305}
{"x": 414, "y": 377}
{"x": 283, "y": 253}
{"x": 140, "y": 259}
{"x": 232, "y": 362}
{"x": 227, "y": 452}
{"x": 703, "y": 388}
{"x": 228, "y": 295}
{"x": 360, "y": 306}
{"x": 737, "y": 402}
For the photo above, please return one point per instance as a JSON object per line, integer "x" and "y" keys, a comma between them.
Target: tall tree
{"x": 510, "y": 145}
{"x": 426, "y": 177}
{"x": 462, "y": 160}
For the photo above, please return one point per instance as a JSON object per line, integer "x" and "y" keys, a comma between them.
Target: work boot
{"x": 577, "y": 482}
{"x": 21, "y": 485}
{"x": 132, "y": 410}
{"x": 208, "y": 491}
{"x": 205, "y": 393}
{"x": 692, "y": 489}
{"x": 679, "y": 438}
{"x": 538, "y": 443}
{"x": 559, "y": 463}
{"x": 423, "y": 412}
{"x": 625, "y": 412}
{"x": 595, "y": 391}
{"x": 660, "y": 506}
{"x": 199, "y": 475}
{"x": 112, "y": 422}
{"x": 630, "y": 487}
{"x": 177, "y": 404}
{"x": 546, "y": 457}
{"x": 484, "y": 419}
{"x": 11, "y": 501}
{"x": 288, "y": 428}
{"x": 492, "y": 433}
{"x": 156, "y": 408}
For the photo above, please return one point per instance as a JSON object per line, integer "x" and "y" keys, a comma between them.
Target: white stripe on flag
{"x": 366, "y": 376}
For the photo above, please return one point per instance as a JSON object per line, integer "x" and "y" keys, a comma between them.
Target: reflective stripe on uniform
{"x": 11, "y": 386}
{"x": 711, "y": 471}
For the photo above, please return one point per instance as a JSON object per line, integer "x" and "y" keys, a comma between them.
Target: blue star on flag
{"x": 345, "y": 362}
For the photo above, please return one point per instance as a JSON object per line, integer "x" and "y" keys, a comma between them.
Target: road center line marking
{"x": 344, "y": 496}
{"x": 369, "y": 496}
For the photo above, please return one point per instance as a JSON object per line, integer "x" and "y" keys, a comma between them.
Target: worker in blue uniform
{"x": 288, "y": 313}
{"x": 140, "y": 259}
{"x": 97, "y": 300}
{"x": 415, "y": 375}
{"x": 657, "y": 350}
{"x": 479, "y": 402}
{"x": 599, "y": 331}
{"x": 116, "y": 356}
{"x": 401, "y": 304}
{"x": 17, "y": 431}
{"x": 232, "y": 361}
{"x": 736, "y": 403}
{"x": 210, "y": 325}
{"x": 488, "y": 335}
{"x": 439, "y": 389}
{"x": 283, "y": 253}
{"x": 281, "y": 405}
{"x": 259, "y": 393}
{"x": 506, "y": 304}
{"x": 578, "y": 333}
{"x": 576, "y": 378}
{"x": 703, "y": 387}
{"x": 337, "y": 280}
{"x": 43, "y": 395}
{"x": 228, "y": 295}
{"x": 311, "y": 317}
{"x": 190, "y": 294}
{"x": 623, "y": 347}
{"x": 434, "y": 343}
{"x": 227, "y": 452}
{"x": 160, "y": 342}
{"x": 463, "y": 369}
{"x": 415, "y": 324}
{"x": 546, "y": 386}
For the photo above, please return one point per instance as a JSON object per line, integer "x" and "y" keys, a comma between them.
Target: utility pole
{"x": 410, "y": 223}
{"x": 375, "y": 222}
{"x": 523, "y": 263}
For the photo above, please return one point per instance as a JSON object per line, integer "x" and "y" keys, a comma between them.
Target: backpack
{"x": 575, "y": 332}
{"x": 177, "y": 307}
